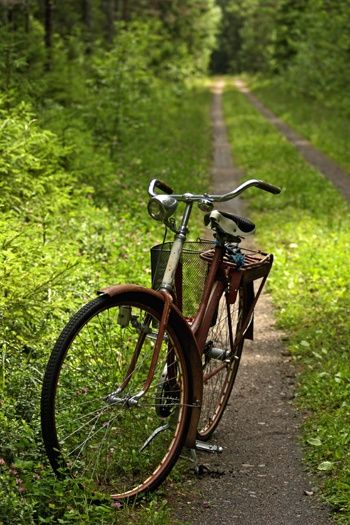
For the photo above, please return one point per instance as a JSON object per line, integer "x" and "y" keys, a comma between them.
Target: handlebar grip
{"x": 268, "y": 187}
{"x": 163, "y": 187}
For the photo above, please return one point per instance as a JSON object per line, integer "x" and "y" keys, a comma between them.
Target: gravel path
{"x": 259, "y": 478}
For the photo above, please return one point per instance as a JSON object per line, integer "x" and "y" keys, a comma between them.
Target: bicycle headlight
{"x": 161, "y": 207}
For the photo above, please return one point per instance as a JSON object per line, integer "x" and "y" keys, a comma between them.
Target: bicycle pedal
{"x": 207, "y": 447}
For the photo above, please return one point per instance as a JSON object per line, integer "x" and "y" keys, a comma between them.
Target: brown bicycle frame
{"x": 215, "y": 285}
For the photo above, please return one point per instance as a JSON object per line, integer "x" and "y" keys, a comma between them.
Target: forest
{"x": 97, "y": 97}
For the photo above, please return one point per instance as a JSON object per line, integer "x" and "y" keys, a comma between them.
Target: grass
{"x": 106, "y": 235}
{"x": 327, "y": 128}
{"x": 307, "y": 228}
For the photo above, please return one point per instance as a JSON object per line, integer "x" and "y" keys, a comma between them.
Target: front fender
{"x": 187, "y": 341}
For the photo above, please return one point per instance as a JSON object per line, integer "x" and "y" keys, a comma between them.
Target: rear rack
{"x": 256, "y": 264}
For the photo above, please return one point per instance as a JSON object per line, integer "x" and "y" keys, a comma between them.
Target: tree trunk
{"x": 86, "y": 7}
{"x": 26, "y": 16}
{"x": 109, "y": 8}
{"x": 87, "y": 19}
{"x": 125, "y": 10}
{"x": 48, "y": 38}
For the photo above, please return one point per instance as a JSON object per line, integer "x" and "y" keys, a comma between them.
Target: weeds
{"x": 62, "y": 239}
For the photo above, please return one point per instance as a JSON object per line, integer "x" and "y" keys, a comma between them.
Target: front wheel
{"x": 97, "y": 425}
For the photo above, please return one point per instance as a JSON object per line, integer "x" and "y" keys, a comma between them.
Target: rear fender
{"x": 187, "y": 342}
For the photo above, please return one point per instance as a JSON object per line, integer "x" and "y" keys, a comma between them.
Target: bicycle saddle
{"x": 231, "y": 225}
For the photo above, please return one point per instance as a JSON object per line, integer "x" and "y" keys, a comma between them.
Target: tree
{"x": 48, "y": 24}
{"x": 225, "y": 57}
{"x": 288, "y": 32}
{"x": 110, "y": 9}
{"x": 87, "y": 20}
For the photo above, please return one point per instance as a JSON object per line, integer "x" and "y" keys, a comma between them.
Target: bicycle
{"x": 139, "y": 373}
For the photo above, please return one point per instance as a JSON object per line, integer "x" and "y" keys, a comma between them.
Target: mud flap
{"x": 250, "y": 295}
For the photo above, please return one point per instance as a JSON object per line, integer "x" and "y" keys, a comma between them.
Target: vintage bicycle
{"x": 138, "y": 374}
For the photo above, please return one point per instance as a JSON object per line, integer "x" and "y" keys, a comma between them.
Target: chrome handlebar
{"x": 189, "y": 197}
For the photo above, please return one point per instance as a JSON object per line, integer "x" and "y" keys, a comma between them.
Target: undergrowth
{"x": 75, "y": 168}
{"x": 307, "y": 228}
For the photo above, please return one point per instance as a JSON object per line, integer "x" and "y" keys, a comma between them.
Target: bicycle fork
{"x": 129, "y": 401}
{"x": 165, "y": 290}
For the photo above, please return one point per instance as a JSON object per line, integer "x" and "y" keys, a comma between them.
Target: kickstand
{"x": 199, "y": 469}
{"x": 194, "y": 459}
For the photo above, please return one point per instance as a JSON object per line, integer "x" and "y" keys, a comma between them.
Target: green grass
{"x": 327, "y": 128}
{"x": 307, "y": 228}
{"x": 59, "y": 245}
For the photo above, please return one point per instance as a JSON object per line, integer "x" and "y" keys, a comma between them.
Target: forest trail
{"x": 259, "y": 478}
{"x": 339, "y": 177}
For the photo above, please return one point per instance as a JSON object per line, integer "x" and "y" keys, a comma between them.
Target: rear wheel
{"x": 221, "y": 357}
{"x": 97, "y": 424}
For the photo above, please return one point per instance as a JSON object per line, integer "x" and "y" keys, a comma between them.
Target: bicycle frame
{"x": 187, "y": 340}
{"x": 214, "y": 287}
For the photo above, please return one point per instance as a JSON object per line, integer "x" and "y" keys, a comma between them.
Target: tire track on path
{"x": 259, "y": 478}
{"x": 339, "y": 177}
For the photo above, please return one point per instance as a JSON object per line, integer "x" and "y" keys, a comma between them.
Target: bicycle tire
{"x": 90, "y": 435}
{"x": 219, "y": 374}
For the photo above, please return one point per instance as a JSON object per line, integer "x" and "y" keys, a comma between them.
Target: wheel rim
{"x": 125, "y": 447}
{"x": 218, "y": 374}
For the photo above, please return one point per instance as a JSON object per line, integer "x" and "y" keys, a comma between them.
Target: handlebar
{"x": 156, "y": 183}
{"x": 189, "y": 197}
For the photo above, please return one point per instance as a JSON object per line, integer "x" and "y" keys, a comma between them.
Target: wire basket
{"x": 193, "y": 269}
{"x": 190, "y": 275}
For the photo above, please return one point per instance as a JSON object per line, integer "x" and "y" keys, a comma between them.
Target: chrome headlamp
{"x": 161, "y": 207}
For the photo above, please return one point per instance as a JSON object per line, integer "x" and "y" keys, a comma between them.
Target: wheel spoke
{"x": 101, "y": 440}
{"x": 219, "y": 374}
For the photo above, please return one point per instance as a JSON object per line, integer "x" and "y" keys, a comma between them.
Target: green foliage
{"x": 320, "y": 66}
{"x": 257, "y": 36}
{"x": 28, "y": 150}
{"x": 32, "y": 41}
{"x": 246, "y": 37}
{"x": 102, "y": 115}
{"x": 73, "y": 219}
{"x": 191, "y": 27}
{"x": 307, "y": 228}
{"x": 224, "y": 55}
{"x": 288, "y": 33}
{"x": 123, "y": 82}
{"x": 306, "y": 43}
{"x": 22, "y": 56}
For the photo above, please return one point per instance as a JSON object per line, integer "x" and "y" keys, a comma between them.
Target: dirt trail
{"x": 259, "y": 478}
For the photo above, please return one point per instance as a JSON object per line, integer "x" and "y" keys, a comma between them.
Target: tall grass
{"x": 62, "y": 239}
